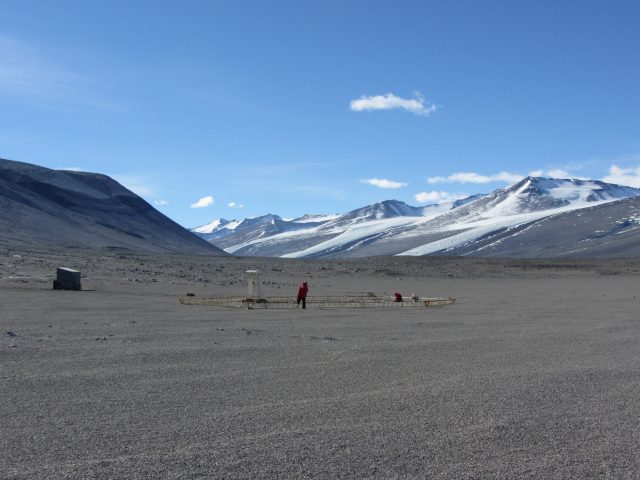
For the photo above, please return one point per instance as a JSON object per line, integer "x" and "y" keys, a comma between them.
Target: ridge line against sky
{"x": 222, "y": 108}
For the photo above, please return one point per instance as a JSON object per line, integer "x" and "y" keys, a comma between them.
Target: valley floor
{"x": 533, "y": 373}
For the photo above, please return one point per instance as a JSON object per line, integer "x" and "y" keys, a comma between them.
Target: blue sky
{"x": 231, "y": 109}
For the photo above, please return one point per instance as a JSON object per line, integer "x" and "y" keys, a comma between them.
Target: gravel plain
{"x": 533, "y": 373}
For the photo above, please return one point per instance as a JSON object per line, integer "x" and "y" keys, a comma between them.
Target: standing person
{"x": 302, "y": 295}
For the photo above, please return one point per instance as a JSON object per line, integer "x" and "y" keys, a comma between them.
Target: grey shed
{"x": 67, "y": 279}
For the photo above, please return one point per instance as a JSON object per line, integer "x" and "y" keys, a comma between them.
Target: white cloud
{"x": 235, "y": 205}
{"x": 555, "y": 173}
{"x": 437, "y": 179}
{"x": 558, "y": 173}
{"x": 161, "y": 203}
{"x": 438, "y": 197}
{"x": 203, "y": 202}
{"x": 383, "y": 183}
{"x": 472, "y": 177}
{"x": 389, "y": 101}
{"x": 623, "y": 176}
{"x": 506, "y": 177}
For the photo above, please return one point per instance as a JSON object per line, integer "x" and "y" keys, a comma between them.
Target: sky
{"x": 232, "y": 109}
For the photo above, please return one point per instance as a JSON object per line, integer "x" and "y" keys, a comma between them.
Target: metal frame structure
{"x": 343, "y": 301}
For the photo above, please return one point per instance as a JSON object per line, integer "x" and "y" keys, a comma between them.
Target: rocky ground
{"x": 533, "y": 373}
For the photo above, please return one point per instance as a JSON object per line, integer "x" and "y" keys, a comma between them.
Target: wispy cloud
{"x": 28, "y": 74}
{"x": 203, "y": 202}
{"x": 283, "y": 168}
{"x": 11, "y": 138}
{"x": 555, "y": 173}
{"x": 320, "y": 191}
{"x": 137, "y": 185}
{"x": 418, "y": 105}
{"x": 235, "y": 205}
{"x": 472, "y": 177}
{"x": 623, "y": 176}
{"x": 438, "y": 197}
{"x": 383, "y": 183}
{"x": 161, "y": 203}
{"x": 505, "y": 177}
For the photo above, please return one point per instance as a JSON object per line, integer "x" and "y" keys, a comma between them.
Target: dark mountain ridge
{"x": 61, "y": 208}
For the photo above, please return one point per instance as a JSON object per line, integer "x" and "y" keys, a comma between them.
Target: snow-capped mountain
{"x": 270, "y": 235}
{"x": 395, "y": 228}
{"x": 216, "y": 229}
{"x": 314, "y": 218}
{"x": 530, "y": 199}
{"x": 231, "y": 233}
{"x": 609, "y": 229}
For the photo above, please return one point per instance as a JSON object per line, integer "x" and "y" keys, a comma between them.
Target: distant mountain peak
{"x": 391, "y": 227}
{"x": 463, "y": 201}
{"x": 315, "y": 218}
{"x": 214, "y": 225}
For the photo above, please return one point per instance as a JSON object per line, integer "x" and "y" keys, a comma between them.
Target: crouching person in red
{"x": 302, "y": 294}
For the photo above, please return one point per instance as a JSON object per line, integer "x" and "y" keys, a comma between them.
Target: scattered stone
{"x": 324, "y": 339}
{"x": 11, "y": 334}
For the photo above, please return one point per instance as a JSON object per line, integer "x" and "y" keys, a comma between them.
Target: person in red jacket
{"x": 302, "y": 294}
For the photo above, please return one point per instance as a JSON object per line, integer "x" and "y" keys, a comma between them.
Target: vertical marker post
{"x": 253, "y": 275}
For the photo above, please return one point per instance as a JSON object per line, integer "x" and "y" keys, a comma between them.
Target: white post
{"x": 250, "y": 277}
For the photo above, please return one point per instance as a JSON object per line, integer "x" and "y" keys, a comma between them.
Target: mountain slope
{"x": 531, "y": 199}
{"x": 58, "y": 208}
{"x": 606, "y": 230}
{"x": 234, "y": 235}
{"x": 327, "y": 236}
{"x": 464, "y": 227}
{"x": 216, "y": 229}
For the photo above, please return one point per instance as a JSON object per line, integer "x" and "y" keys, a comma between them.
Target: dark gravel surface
{"x": 533, "y": 373}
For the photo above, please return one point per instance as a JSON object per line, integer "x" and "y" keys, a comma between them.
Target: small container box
{"x": 67, "y": 279}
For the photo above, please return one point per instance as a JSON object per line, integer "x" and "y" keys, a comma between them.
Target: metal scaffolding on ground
{"x": 341, "y": 301}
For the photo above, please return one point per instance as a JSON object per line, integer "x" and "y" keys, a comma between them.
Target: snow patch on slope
{"x": 505, "y": 214}
{"x": 216, "y": 224}
{"x": 356, "y": 234}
